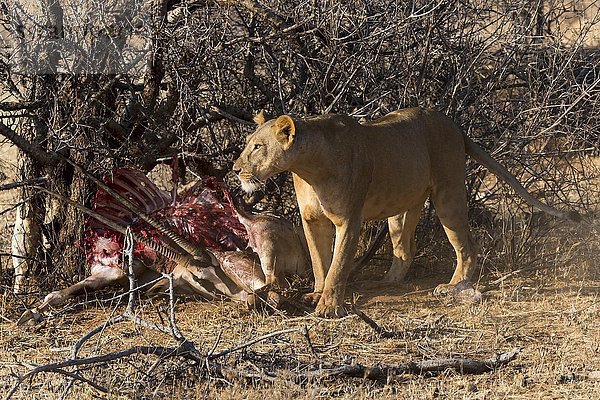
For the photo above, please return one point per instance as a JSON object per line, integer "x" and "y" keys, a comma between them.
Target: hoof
{"x": 252, "y": 301}
{"x": 264, "y": 301}
{"x": 274, "y": 299}
{"x": 312, "y": 298}
{"x": 30, "y": 317}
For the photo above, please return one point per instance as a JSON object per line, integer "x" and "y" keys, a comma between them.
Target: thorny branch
{"x": 28, "y": 182}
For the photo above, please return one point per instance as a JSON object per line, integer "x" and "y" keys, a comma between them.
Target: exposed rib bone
{"x": 194, "y": 250}
{"x": 158, "y": 247}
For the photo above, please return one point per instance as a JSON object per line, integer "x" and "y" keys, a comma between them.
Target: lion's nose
{"x": 236, "y": 169}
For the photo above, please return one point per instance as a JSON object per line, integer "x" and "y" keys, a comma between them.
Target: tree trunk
{"x": 26, "y": 241}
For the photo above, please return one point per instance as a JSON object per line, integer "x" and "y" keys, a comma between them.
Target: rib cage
{"x": 203, "y": 216}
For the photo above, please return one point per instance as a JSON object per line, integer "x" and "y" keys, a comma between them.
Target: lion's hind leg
{"x": 402, "y": 234}
{"x": 451, "y": 208}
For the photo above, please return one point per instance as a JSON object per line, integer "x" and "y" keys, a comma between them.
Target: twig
{"x": 306, "y": 333}
{"x": 253, "y": 341}
{"x": 16, "y": 205}
{"x": 214, "y": 347}
{"x": 93, "y": 332}
{"x": 494, "y": 284}
{"x": 174, "y": 328}
{"x": 6, "y": 319}
{"x": 230, "y": 116}
{"x": 380, "y": 331}
{"x": 127, "y": 259}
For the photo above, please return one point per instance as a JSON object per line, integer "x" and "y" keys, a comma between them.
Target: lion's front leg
{"x": 331, "y": 304}
{"x": 319, "y": 237}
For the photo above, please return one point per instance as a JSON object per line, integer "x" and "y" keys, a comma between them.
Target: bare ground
{"x": 553, "y": 316}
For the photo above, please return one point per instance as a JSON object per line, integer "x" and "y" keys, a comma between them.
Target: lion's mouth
{"x": 250, "y": 183}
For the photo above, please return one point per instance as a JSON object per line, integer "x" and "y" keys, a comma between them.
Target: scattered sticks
{"x": 306, "y": 372}
{"x": 210, "y": 363}
{"x": 58, "y": 367}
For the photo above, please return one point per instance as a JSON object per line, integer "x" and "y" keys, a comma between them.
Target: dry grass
{"x": 552, "y": 315}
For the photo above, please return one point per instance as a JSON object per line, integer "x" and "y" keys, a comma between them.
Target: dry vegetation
{"x": 522, "y": 78}
{"x": 552, "y": 316}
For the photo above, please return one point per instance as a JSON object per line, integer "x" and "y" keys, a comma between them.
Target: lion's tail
{"x": 501, "y": 172}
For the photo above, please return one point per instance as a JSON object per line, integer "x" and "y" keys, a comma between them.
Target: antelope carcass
{"x": 197, "y": 238}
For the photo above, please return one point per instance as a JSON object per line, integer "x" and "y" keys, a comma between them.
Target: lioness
{"x": 345, "y": 172}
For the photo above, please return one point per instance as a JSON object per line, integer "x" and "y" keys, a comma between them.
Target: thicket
{"x": 141, "y": 83}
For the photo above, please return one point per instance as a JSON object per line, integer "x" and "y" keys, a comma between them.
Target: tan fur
{"x": 345, "y": 173}
{"x": 260, "y": 118}
{"x": 279, "y": 244}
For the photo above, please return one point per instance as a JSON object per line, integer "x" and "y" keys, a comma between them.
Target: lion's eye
{"x": 257, "y": 146}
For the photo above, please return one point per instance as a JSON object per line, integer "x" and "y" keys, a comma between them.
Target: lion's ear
{"x": 260, "y": 118}
{"x": 285, "y": 131}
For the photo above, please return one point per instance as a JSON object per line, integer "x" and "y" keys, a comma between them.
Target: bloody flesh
{"x": 203, "y": 215}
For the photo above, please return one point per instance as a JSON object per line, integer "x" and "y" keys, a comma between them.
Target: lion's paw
{"x": 333, "y": 310}
{"x": 443, "y": 289}
{"x": 396, "y": 274}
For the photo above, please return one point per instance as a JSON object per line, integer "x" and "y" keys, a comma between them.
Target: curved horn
{"x": 159, "y": 248}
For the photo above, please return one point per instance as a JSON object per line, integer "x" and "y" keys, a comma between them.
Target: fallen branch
{"x": 377, "y": 373}
{"x": 460, "y": 365}
{"x": 33, "y": 181}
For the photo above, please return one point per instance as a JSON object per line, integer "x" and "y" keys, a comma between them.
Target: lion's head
{"x": 269, "y": 151}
